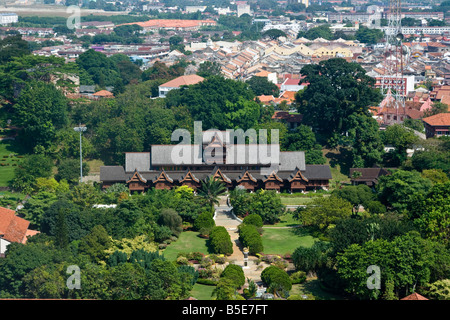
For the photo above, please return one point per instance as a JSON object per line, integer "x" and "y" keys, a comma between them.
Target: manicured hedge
{"x": 254, "y": 219}
{"x": 220, "y": 241}
{"x": 235, "y": 273}
{"x": 273, "y": 276}
{"x": 250, "y": 238}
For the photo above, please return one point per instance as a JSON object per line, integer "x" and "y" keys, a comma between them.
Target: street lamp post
{"x": 81, "y": 129}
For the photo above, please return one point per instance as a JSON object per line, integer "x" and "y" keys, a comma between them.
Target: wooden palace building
{"x": 243, "y": 166}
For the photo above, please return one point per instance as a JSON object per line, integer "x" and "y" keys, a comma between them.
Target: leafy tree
{"x": 13, "y": 46}
{"x": 407, "y": 261}
{"x": 439, "y": 290}
{"x": 435, "y": 175}
{"x": 323, "y": 212}
{"x": 95, "y": 243}
{"x": 204, "y": 223}
{"x": 262, "y": 86}
{"x": 218, "y": 103}
{"x": 395, "y": 190}
{"x": 32, "y": 167}
{"x": 356, "y": 195}
{"x": 21, "y": 259}
{"x": 303, "y": 139}
{"x": 369, "y": 36}
{"x": 310, "y": 259}
{"x": 274, "y": 34}
{"x": 266, "y": 204}
{"x": 431, "y": 212}
{"x": 101, "y": 69}
{"x": 41, "y": 110}
{"x": 170, "y": 218}
{"x": 322, "y": 31}
{"x": 367, "y": 146}
{"x": 69, "y": 170}
{"x": 400, "y": 138}
{"x": 207, "y": 69}
{"x": 337, "y": 90}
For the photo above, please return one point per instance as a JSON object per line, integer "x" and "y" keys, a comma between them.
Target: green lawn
{"x": 10, "y": 155}
{"x": 312, "y": 287}
{"x": 285, "y": 240}
{"x": 187, "y": 242}
{"x": 293, "y": 201}
{"x": 202, "y": 292}
{"x": 286, "y": 220}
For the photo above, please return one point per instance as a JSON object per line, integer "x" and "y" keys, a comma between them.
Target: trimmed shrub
{"x": 254, "y": 219}
{"x": 234, "y": 273}
{"x": 220, "y": 241}
{"x": 277, "y": 278}
{"x": 250, "y": 237}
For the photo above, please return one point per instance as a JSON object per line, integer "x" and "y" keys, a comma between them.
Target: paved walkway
{"x": 225, "y": 218}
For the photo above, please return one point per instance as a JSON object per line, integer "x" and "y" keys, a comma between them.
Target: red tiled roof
{"x": 103, "y": 93}
{"x": 183, "y": 81}
{"x": 414, "y": 296}
{"x": 12, "y": 227}
{"x": 440, "y": 119}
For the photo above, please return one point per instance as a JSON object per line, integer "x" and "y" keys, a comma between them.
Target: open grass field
{"x": 40, "y": 10}
{"x": 295, "y": 201}
{"x": 312, "y": 287}
{"x": 187, "y": 242}
{"x": 10, "y": 157}
{"x": 285, "y": 240}
{"x": 202, "y": 292}
{"x": 286, "y": 220}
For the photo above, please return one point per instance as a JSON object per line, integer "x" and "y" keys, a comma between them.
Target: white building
{"x": 177, "y": 83}
{"x": 8, "y": 18}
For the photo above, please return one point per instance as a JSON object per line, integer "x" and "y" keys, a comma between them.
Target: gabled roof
{"x": 273, "y": 175}
{"x": 137, "y": 175}
{"x": 12, "y": 227}
{"x": 183, "y": 81}
{"x": 190, "y": 175}
{"x": 297, "y": 174}
{"x": 246, "y": 175}
{"x": 163, "y": 177}
{"x": 217, "y": 171}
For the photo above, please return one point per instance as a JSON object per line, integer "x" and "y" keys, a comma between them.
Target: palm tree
{"x": 211, "y": 189}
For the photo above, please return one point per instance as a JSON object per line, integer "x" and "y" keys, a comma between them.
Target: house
{"x": 236, "y": 165}
{"x": 12, "y": 229}
{"x": 177, "y": 83}
{"x": 103, "y": 94}
{"x": 368, "y": 176}
{"x": 292, "y": 120}
{"x": 437, "y": 125}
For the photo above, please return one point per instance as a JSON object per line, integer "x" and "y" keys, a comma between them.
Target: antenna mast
{"x": 393, "y": 82}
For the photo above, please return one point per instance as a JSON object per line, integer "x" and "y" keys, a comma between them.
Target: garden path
{"x": 225, "y": 218}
